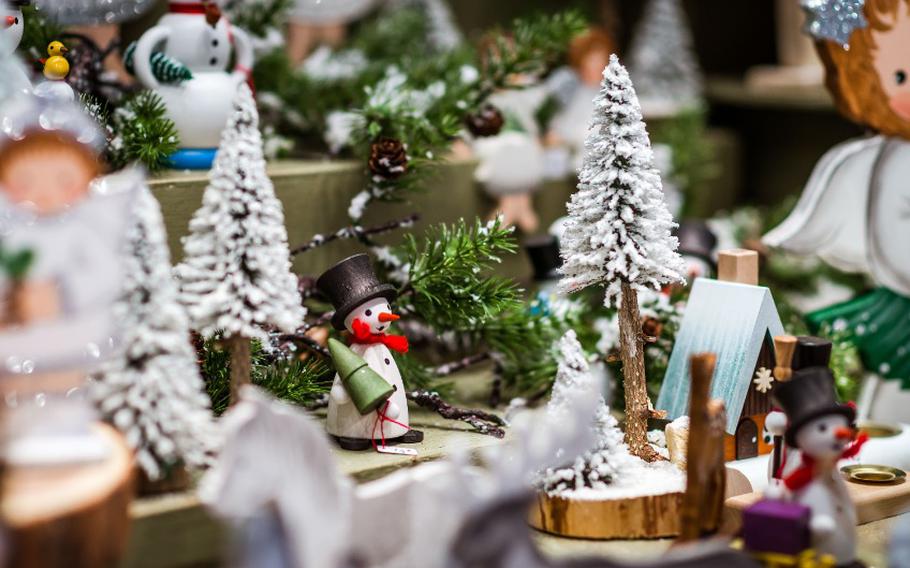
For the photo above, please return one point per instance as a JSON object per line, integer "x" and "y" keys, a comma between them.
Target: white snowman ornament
{"x": 363, "y": 309}
{"x": 823, "y": 431}
{"x": 199, "y": 36}
{"x": 12, "y": 25}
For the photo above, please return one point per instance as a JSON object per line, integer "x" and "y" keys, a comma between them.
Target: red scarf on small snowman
{"x": 805, "y": 473}
{"x": 361, "y": 334}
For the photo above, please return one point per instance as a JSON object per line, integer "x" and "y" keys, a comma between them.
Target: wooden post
{"x": 241, "y": 367}
{"x": 705, "y": 470}
{"x": 738, "y": 265}
{"x": 633, "y": 372}
{"x": 784, "y": 348}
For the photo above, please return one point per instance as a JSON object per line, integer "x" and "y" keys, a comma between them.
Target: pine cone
{"x": 487, "y": 121}
{"x": 388, "y": 158}
{"x": 651, "y": 328}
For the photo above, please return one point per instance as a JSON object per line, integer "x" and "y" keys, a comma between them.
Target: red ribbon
{"x": 380, "y": 419}
{"x": 362, "y": 334}
{"x": 194, "y": 8}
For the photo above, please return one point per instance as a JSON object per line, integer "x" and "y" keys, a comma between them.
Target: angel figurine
{"x": 855, "y": 210}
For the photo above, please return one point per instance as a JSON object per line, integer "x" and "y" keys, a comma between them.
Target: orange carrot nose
{"x": 10, "y": 21}
{"x": 844, "y": 433}
{"x": 384, "y": 317}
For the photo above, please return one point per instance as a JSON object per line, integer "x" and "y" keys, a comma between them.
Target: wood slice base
{"x": 70, "y": 516}
{"x": 651, "y": 516}
{"x": 873, "y": 503}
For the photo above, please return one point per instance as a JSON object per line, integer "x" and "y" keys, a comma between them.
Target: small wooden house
{"x": 736, "y": 319}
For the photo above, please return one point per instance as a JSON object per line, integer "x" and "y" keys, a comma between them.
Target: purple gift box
{"x": 776, "y": 526}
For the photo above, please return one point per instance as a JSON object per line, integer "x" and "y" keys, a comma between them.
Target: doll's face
{"x": 46, "y": 180}
{"x": 591, "y": 67}
{"x": 892, "y": 62}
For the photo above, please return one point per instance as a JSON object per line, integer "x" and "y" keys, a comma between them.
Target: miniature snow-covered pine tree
{"x": 618, "y": 233}
{"x": 236, "y": 274}
{"x": 662, "y": 59}
{"x": 596, "y": 468}
{"x": 151, "y": 390}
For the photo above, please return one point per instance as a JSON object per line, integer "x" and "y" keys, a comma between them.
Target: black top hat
{"x": 811, "y": 352}
{"x": 349, "y": 284}
{"x": 696, "y": 239}
{"x": 808, "y": 395}
{"x": 18, "y": 3}
{"x": 543, "y": 251}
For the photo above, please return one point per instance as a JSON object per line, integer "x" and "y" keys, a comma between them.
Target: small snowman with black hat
{"x": 363, "y": 308}
{"x": 823, "y": 431}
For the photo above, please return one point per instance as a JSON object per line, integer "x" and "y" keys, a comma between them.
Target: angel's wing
{"x": 830, "y": 219}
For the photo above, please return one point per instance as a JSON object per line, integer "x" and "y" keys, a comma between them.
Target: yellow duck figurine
{"x": 56, "y": 67}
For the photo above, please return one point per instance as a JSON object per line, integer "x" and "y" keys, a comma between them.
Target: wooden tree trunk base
{"x": 70, "y": 516}
{"x": 649, "y": 516}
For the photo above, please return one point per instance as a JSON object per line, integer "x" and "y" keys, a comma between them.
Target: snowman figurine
{"x": 12, "y": 26}
{"x": 200, "y": 37}
{"x": 362, "y": 307}
{"x": 823, "y": 431}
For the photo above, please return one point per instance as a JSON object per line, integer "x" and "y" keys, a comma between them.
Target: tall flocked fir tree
{"x": 152, "y": 390}
{"x": 662, "y": 60}
{"x": 236, "y": 274}
{"x": 598, "y": 467}
{"x": 619, "y": 232}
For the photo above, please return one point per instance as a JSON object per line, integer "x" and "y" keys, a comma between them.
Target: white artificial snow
{"x": 339, "y": 125}
{"x": 639, "y": 479}
{"x": 619, "y": 228}
{"x": 152, "y": 390}
{"x": 327, "y": 65}
{"x": 236, "y": 274}
{"x": 662, "y": 60}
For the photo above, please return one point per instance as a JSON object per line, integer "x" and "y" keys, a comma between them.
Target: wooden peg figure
{"x": 853, "y": 210}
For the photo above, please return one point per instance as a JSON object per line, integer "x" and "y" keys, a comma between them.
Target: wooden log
{"x": 633, "y": 371}
{"x": 652, "y": 516}
{"x": 70, "y": 516}
{"x": 702, "y": 505}
{"x": 241, "y": 366}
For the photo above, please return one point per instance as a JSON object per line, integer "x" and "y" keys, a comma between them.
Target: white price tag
{"x": 395, "y": 450}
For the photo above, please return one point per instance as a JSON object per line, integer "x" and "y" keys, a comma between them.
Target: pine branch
{"x": 356, "y": 232}
{"x": 449, "y": 283}
{"x": 484, "y": 422}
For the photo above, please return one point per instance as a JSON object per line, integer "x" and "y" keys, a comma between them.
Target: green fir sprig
{"x": 449, "y": 281}
{"x": 142, "y": 132}
{"x": 299, "y": 382}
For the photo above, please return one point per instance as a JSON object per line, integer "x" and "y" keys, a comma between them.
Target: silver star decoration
{"x": 763, "y": 380}
{"x": 834, "y": 20}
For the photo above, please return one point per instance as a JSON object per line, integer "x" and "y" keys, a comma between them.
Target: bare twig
{"x": 454, "y": 366}
{"x": 483, "y": 422}
{"x": 356, "y": 232}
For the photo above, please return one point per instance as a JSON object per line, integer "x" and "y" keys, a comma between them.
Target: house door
{"x": 746, "y": 439}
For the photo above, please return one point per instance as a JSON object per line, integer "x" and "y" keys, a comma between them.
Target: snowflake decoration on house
{"x": 763, "y": 380}
{"x": 834, "y": 20}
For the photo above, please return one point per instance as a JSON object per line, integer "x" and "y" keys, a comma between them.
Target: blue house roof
{"x": 731, "y": 320}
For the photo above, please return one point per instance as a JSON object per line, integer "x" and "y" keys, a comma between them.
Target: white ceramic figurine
{"x": 362, "y": 307}
{"x": 823, "y": 431}
{"x": 198, "y": 36}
